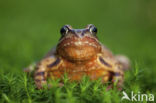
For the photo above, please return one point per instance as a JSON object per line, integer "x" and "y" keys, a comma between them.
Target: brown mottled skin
{"x": 79, "y": 53}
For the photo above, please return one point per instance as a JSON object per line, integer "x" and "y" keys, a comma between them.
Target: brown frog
{"x": 80, "y": 53}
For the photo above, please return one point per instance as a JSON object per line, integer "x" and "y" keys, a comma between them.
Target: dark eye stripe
{"x": 104, "y": 62}
{"x": 54, "y": 63}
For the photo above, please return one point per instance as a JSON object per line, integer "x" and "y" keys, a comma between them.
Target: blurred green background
{"x": 30, "y": 28}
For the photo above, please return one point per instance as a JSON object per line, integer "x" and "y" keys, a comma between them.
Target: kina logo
{"x": 137, "y": 96}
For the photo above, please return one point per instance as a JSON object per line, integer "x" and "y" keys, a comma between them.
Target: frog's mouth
{"x": 78, "y": 49}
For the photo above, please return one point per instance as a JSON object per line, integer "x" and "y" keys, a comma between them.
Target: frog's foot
{"x": 30, "y": 68}
{"x": 124, "y": 61}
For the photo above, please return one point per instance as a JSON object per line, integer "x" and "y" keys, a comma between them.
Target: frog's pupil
{"x": 94, "y": 30}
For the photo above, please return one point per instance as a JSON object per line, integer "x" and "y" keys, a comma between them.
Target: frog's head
{"x": 78, "y": 44}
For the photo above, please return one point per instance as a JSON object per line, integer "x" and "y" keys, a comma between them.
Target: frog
{"x": 79, "y": 53}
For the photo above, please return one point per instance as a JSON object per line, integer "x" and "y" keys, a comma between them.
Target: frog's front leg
{"x": 112, "y": 71}
{"x": 118, "y": 78}
{"x": 43, "y": 69}
{"x": 40, "y": 76}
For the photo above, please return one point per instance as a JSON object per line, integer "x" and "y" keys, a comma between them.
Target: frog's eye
{"x": 64, "y": 30}
{"x": 93, "y": 30}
